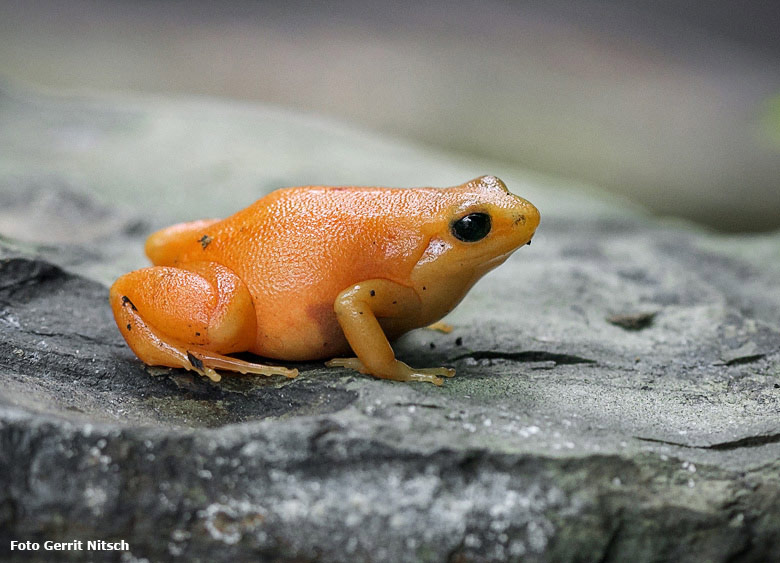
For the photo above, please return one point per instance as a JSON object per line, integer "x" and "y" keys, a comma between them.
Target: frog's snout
{"x": 525, "y": 221}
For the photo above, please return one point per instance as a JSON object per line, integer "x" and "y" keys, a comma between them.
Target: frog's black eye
{"x": 472, "y": 227}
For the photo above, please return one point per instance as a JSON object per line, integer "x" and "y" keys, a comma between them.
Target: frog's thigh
{"x": 187, "y": 317}
{"x": 357, "y": 309}
{"x": 201, "y": 304}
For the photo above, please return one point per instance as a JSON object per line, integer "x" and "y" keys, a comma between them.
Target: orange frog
{"x": 310, "y": 272}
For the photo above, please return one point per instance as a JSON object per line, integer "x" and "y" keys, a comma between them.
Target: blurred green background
{"x": 674, "y": 104}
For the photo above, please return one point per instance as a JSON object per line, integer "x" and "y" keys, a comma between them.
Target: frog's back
{"x": 299, "y": 221}
{"x": 299, "y": 237}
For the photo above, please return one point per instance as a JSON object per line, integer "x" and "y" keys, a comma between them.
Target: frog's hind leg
{"x": 189, "y": 317}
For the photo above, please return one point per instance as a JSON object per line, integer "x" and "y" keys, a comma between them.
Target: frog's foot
{"x": 205, "y": 362}
{"x": 399, "y": 371}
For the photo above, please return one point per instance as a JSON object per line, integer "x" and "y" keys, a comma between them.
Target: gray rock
{"x": 565, "y": 436}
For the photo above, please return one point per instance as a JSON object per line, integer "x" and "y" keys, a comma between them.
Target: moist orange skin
{"x": 288, "y": 276}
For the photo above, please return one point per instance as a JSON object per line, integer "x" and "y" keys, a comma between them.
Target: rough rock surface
{"x": 617, "y": 395}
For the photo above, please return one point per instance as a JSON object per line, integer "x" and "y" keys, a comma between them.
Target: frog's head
{"x": 487, "y": 222}
{"x": 480, "y": 225}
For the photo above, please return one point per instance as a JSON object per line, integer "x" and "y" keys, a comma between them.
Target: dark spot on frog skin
{"x": 373, "y": 293}
{"x": 126, "y": 301}
{"x": 204, "y": 241}
{"x": 197, "y": 334}
{"x": 197, "y": 363}
{"x": 129, "y": 326}
{"x": 327, "y": 326}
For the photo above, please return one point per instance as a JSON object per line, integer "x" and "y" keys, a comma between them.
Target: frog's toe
{"x": 349, "y": 363}
{"x": 431, "y": 375}
{"x": 426, "y": 377}
{"x": 204, "y": 362}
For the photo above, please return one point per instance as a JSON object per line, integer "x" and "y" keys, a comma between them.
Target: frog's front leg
{"x": 189, "y": 317}
{"x": 357, "y": 309}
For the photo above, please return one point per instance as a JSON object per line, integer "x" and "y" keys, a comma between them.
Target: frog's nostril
{"x": 520, "y": 219}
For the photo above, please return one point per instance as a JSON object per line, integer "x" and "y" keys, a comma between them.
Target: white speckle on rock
{"x": 95, "y": 499}
{"x": 291, "y": 509}
{"x": 180, "y": 535}
{"x": 537, "y": 538}
{"x": 99, "y": 458}
{"x": 352, "y": 544}
{"x": 517, "y": 549}
{"x": 738, "y": 520}
{"x": 175, "y": 549}
{"x": 128, "y": 557}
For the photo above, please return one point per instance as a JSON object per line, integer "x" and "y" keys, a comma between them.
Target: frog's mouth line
{"x": 501, "y": 257}
{"x": 487, "y": 265}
